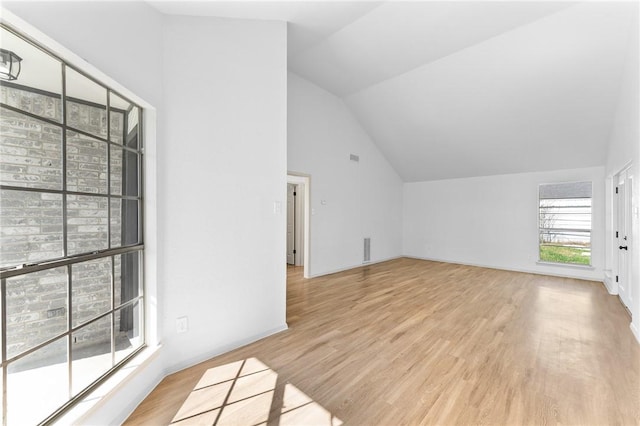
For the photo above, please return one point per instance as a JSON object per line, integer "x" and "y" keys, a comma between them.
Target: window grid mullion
{"x": 3, "y": 307}
{"x": 65, "y": 230}
{"x": 65, "y": 249}
{"x": 56, "y": 263}
{"x": 58, "y": 191}
{"x": 109, "y": 170}
{"x": 69, "y": 328}
{"x": 113, "y": 306}
{"x": 141, "y": 182}
{"x": 109, "y": 231}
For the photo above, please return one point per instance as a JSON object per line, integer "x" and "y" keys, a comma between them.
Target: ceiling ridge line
{"x": 314, "y": 44}
{"x": 425, "y": 64}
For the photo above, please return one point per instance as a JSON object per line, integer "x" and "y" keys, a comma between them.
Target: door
{"x": 623, "y": 235}
{"x": 291, "y": 223}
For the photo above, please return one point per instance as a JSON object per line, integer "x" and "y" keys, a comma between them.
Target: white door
{"x": 623, "y": 234}
{"x": 291, "y": 223}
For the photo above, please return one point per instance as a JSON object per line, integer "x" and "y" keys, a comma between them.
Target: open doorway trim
{"x": 304, "y": 179}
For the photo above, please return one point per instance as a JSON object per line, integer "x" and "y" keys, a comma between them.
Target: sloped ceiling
{"x": 309, "y": 22}
{"x": 397, "y": 37}
{"x": 541, "y": 96}
{"x": 458, "y": 89}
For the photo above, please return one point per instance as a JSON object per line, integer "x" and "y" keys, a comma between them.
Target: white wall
{"x": 122, "y": 39}
{"x": 624, "y": 148}
{"x": 222, "y": 167}
{"x": 492, "y": 221}
{"x": 349, "y": 200}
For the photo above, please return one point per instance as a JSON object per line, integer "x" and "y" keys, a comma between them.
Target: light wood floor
{"x": 417, "y": 342}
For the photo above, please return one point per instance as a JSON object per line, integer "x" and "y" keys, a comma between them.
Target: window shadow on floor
{"x": 248, "y": 392}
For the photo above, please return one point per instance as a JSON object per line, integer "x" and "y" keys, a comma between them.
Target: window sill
{"x": 566, "y": 265}
{"x": 79, "y": 413}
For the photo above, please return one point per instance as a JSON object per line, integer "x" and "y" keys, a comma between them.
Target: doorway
{"x": 292, "y": 224}
{"x": 298, "y": 220}
{"x": 622, "y": 216}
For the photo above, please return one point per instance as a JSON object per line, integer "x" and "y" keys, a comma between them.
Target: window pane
{"x": 130, "y": 174}
{"x": 128, "y": 329}
{"x": 86, "y": 104}
{"x": 133, "y": 119}
{"x": 126, "y": 277}
{"x": 90, "y": 289}
{"x": 565, "y": 222}
{"x": 119, "y": 110}
{"x": 124, "y": 222}
{"x": 91, "y": 353}
{"x": 117, "y": 126}
{"x": 124, "y": 172}
{"x": 565, "y": 190}
{"x": 87, "y": 223}
{"x": 30, "y": 152}
{"x": 31, "y": 228}
{"x": 116, "y": 222}
{"x": 127, "y": 129}
{"x": 116, "y": 170}
{"x": 86, "y": 164}
{"x": 31, "y": 92}
{"x": 37, "y": 384}
{"x": 36, "y": 309}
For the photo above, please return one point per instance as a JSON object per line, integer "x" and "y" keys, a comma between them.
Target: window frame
{"x": 540, "y": 228}
{"x": 67, "y": 261}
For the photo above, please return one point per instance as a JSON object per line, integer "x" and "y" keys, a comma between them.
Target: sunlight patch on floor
{"x": 247, "y": 392}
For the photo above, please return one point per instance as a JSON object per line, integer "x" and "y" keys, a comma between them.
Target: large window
{"x": 71, "y": 246}
{"x": 565, "y": 223}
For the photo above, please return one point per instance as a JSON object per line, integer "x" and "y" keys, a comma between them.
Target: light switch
{"x": 277, "y": 207}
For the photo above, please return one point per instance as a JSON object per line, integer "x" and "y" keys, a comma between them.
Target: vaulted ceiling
{"x": 452, "y": 89}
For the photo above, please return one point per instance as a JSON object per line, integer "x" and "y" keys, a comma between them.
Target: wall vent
{"x": 367, "y": 249}
{"x": 354, "y": 157}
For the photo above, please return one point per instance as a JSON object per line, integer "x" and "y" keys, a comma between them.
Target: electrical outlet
{"x": 182, "y": 324}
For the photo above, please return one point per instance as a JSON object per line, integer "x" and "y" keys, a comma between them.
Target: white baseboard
{"x": 222, "y": 350}
{"x": 347, "y": 268}
{"x": 611, "y": 286}
{"x": 502, "y": 268}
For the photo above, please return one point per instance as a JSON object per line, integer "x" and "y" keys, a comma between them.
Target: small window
{"x": 565, "y": 223}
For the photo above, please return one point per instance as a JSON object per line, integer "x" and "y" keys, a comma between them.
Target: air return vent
{"x": 367, "y": 250}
